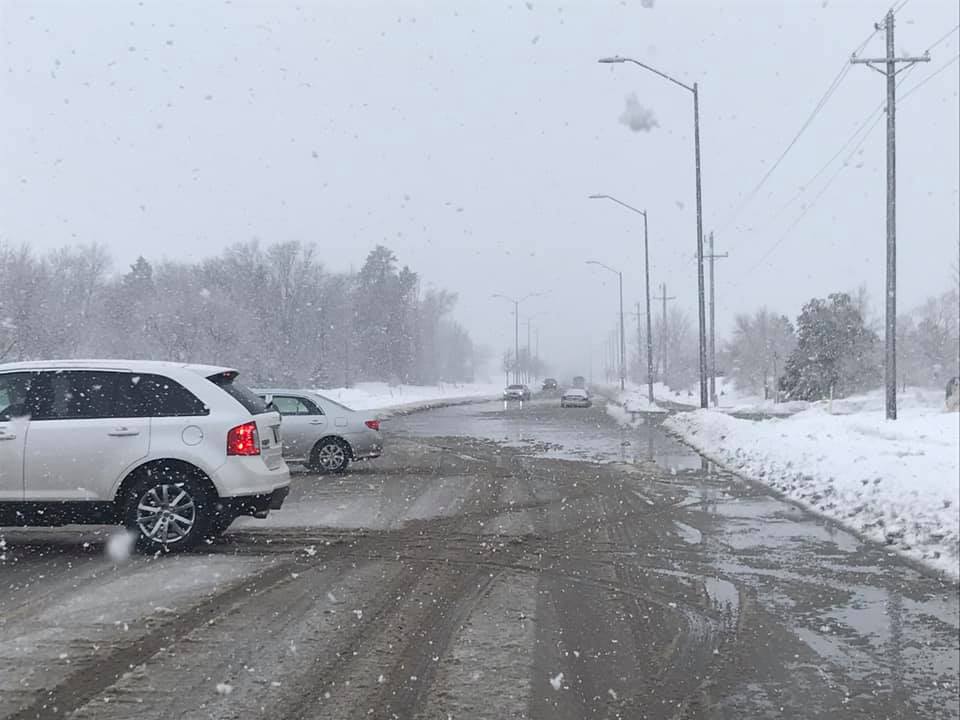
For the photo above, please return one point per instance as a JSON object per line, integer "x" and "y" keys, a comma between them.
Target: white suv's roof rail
{"x": 114, "y": 364}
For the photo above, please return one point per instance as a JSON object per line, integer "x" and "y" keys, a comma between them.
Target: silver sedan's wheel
{"x": 331, "y": 456}
{"x": 166, "y": 513}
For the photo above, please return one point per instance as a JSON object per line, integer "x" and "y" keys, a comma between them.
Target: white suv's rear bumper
{"x": 242, "y": 476}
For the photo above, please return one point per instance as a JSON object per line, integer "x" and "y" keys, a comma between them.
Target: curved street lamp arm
{"x": 603, "y": 265}
{"x": 619, "y": 202}
{"x": 618, "y": 59}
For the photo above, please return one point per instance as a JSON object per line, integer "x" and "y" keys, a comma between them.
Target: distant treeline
{"x": 273, "y": 311}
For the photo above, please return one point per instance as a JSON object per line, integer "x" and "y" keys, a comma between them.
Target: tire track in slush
{"x": 85, "y": 684}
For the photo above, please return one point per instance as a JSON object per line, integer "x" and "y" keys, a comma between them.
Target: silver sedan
{"x": 575, "y": 397}
{"x": 322, "y": 434}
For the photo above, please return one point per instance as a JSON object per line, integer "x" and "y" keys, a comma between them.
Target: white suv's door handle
{"x": 123, "y": 432}
{"x": 6, "y": 436}
{"x": 316, "y": 422}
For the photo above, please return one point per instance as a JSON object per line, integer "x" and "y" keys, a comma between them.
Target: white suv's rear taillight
{"x": 243, "y": 440}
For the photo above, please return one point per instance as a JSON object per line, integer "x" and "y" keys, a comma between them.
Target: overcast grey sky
{"x": 466, "y": 136}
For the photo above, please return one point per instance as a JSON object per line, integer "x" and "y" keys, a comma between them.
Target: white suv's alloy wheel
{"x": 166, "y": 513}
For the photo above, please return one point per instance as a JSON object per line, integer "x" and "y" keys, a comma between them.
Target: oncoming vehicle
{"x": 321, "y": 434}
{"x": 575, "y": 397}
{"x": 175, "y": 452}
{"x": 550, "y": 384}
{"x": 516, "y": 392}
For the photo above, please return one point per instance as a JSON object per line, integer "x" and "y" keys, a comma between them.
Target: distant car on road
{"x": 580, "y": 382}
{"x": 550, "y": 384}
{"x": 575, "y": 397}
{"x": 517, "y": 392}
{"x": 321, "y": 434}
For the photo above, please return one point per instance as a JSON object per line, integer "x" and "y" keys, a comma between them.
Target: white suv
{"x": 174, "y": 452}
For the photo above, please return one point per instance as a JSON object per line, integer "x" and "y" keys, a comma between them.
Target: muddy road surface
{"x": 496, "y": 563}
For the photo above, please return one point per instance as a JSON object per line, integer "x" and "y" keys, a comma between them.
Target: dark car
{"x": 550, "y": 384}
{"x": 580, "y": 382}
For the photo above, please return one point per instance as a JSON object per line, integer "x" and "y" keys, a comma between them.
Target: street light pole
{"x": 646, "y": 272}
{"x": 701, "y": 295}
{"x": 623, "y": 347}
{"x": 623, "y": 343}
{"x": 516, "y": 341}
{"x": 516, "y": 328}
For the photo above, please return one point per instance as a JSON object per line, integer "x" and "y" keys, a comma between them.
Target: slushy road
{"x": 495, "y": 563}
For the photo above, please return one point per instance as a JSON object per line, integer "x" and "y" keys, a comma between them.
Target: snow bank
{"x": 894, "y": 482}
{"x": 634, "y": 399}
{"x": 736, "y": 402}
{"x": 381, "y": 396}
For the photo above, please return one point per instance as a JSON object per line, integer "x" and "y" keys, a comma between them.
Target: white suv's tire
{"x": 330, "y": 455}
{"x": 169, "y": 510}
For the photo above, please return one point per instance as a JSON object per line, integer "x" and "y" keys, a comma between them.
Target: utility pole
{"x": 536, "y": 356}
{"x": 623, "y": 341}
{"x": 713, "y": 338}
{"x": 702, "y": 321}
{"x": 516, "y": 341}
{"x": 614, "y": 352}
{"x": 529, "y": 354}
{"x": 516, "y": 329}
{"x": 646, "y": 286}
{"x": 639, "y": 337}
{"x": 663, "y": 327}
{"x": 890, "y": 72}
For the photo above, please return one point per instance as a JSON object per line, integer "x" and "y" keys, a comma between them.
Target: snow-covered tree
{"x": 271, "y": 310}
{"x": 835, "y": 351}
{"x": 758, "y": 350}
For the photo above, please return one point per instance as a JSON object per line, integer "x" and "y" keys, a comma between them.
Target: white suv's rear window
{"x": 254, "y": 404}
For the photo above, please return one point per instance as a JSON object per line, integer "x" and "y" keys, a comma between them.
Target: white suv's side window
{"x": 77, "y": 447}
{"x": 76, "y": 394}
{"x": 14, "y": 389}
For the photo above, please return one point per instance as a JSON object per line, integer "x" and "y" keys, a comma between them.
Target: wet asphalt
{"x": 497, "y": 562}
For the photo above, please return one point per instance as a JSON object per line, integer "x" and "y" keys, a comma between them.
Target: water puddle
{"x": 688, "y": 534}
{"x": 724, "y": 597}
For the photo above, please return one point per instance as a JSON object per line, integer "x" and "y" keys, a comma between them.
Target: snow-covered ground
{"x": 895, "y": 482}
{"x": 381, "y": 396}
{"x": 729, "y": 399}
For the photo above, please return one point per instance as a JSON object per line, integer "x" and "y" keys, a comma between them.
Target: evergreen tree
{"x": 835, "y": 350}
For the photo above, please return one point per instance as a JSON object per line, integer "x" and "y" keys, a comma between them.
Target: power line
{"x": 929, "y": 77}
{"x": 821, "y": 103}
{"x": 866, "y": 121}
{"x": 944, "y": 37}
{"x": 816, "y": 198}
{"x": 827, "y": 164}
{"x": 876, "y": 115}
{"x": 819, "y": 106}
{"x": 873, "y": 116}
